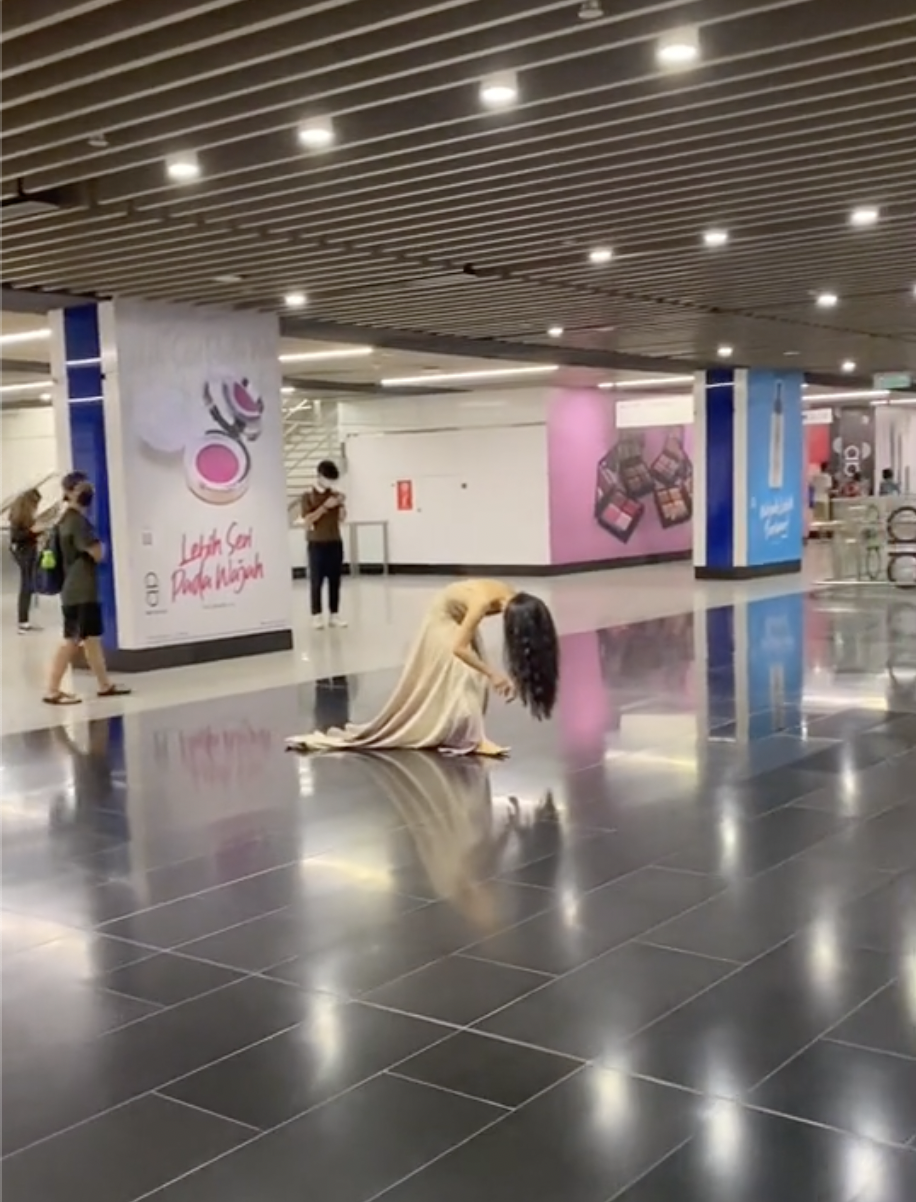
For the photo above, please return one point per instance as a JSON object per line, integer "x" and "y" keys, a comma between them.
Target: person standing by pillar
{"x": 24, "y": 534}
{"x": 323, "y": 511}
{"x": 81, "y": 552}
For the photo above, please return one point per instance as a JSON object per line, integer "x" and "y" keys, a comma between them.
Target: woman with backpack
{"x": 24, "y": 535}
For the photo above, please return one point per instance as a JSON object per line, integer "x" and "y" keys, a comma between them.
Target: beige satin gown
{"x": 438, "y": 704}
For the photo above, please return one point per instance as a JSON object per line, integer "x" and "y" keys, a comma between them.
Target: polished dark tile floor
{"x": 666, "y": 952}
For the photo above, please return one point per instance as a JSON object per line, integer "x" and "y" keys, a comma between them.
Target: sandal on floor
{"x": 62, "y": 699}
{"x": 115, "y": 690}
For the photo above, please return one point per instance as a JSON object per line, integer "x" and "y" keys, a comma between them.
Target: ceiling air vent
{"x": 468, "y": 274}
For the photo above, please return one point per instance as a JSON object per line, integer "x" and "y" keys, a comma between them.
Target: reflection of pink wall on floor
{"x": 584, "y": 708}
{"x": 580, "y": 429}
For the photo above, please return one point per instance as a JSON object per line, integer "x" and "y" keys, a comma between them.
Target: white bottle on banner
{"x": 777, "y": 439}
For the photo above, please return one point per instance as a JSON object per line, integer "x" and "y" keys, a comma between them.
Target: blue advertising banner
{"x": 775, "y": 523}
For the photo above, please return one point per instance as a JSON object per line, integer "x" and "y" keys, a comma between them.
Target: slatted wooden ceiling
{"x": 797, "y": 111}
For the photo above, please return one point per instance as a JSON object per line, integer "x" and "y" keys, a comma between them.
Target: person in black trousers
{"x": 24, "y": 532}
{"x": 323, "y": 511}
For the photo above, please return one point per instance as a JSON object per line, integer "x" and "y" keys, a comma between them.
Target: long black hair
{"x": 532, "y": 653}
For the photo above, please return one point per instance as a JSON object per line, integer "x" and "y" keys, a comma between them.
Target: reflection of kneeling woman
{"x": 440, "y": 699}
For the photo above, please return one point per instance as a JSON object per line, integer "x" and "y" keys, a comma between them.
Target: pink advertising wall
{"x": 615, "y": 494}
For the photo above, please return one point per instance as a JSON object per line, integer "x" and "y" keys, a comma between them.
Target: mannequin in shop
{"x": 440, "y": 701}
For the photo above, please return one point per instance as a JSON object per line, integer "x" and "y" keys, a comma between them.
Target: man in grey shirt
{"x": 81, "y": 553}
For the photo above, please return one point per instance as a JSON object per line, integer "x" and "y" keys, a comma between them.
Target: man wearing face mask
{"x": 322, "y": 512}
{"x": 81, "y": 552}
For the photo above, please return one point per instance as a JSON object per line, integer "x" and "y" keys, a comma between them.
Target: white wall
{"x": 478, "y": 470}
{"x": 895, "y": 436}
{"x": 29, "y": 447}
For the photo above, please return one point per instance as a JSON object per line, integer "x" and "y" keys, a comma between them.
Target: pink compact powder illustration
{"x": 235, "y": 407}
{"x": 217, "y": 468}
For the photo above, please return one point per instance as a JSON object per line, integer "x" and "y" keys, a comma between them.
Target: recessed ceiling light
{"x": 827, "y": 300}
{"x": 183, "y": 167}
{"x": 716, "y": 237}
{"x": 449, "y": 377}
{"x": 337, "y": 352}
{"x": 791, "y": 354}
{"x": 590, "y": 10}
{"x": 229, "y": 278}
{"x": 98, "y": 141}
{"x": 499, "y": 90}
{"x": 25, "y": 336}
{"x": 864, "y": 215}
{"x": 287, "y": 389}
{"x": 31, "y": 386}
{"x": 725, "y": 351}
{"x": 848, "y": 365}
{"x": 600, "y": 255}
{"x": 317, "y": 133}
{"x": 44, "y": 396}
{"x": 555, "y": 331}
{"x": 678, "y": 48}
{"x": 295, "y": 300}
{"x": 856, "y": 394}
{"x": 647, "y": 382}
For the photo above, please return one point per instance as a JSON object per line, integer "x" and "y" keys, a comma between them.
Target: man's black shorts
{"x": 82, "y": 621}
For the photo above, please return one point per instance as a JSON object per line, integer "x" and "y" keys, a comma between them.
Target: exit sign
{"x": 891, "y": 380}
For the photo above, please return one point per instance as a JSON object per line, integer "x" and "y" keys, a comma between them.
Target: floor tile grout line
{"x": 294, "y": 1118}
{"x": 455, "y": 1093}
{"x": 216, "y": 888}
{"x": 663, "y": 947}
{"x": 817, "y": 1039}
{"x": 158, "y": 1007}
{"x": 744, "y": 1104}
{"x": 197, "y": 938}
{"x": 651, "y": 1168}
{"x": 145, "y": 1092}
{"x": 133, "y": 1022}
{"x": 820, "y": 1126}
{"x": 738, "y": 968}
{"x": 377, "y": 1197}
{"x": 863, "y": 1047}
{"x": 203, "y": 1110}
{"x": 537, "y": 972}
{"x": 454, "y": 1028}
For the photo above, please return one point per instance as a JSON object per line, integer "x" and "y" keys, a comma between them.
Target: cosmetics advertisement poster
{"x": 775, "y": 467}
{"x": 853, "y": 445}
{"x": 193, "y": 396}
{"x": 620, "y": 477}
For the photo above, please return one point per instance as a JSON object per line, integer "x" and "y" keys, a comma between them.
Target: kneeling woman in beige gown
{"x": 440, "y": 700}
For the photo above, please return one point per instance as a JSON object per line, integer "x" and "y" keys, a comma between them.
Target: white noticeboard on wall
{"x": 195, "y": 454}
{"x": 641, "y": 413}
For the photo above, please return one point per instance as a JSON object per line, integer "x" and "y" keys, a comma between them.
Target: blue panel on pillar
{"x": 87, "y": 440}
{"x": 776, "y": 489}
{"x": 720, "y": 666}
{"x": 720, "y": 468}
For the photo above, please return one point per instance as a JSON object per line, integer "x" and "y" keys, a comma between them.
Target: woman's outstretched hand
{"x": 504, "y": 687}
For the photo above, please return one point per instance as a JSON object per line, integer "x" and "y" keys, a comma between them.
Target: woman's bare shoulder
{"x": 474, "y": 589}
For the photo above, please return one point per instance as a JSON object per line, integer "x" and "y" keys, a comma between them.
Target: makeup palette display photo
{"x": 671, "y": 462}
{"x": 624, "y": 479}
{"x": 619, "y": 514}
{"x": 674, "y": 505}
{"x": 213, "y": 439}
